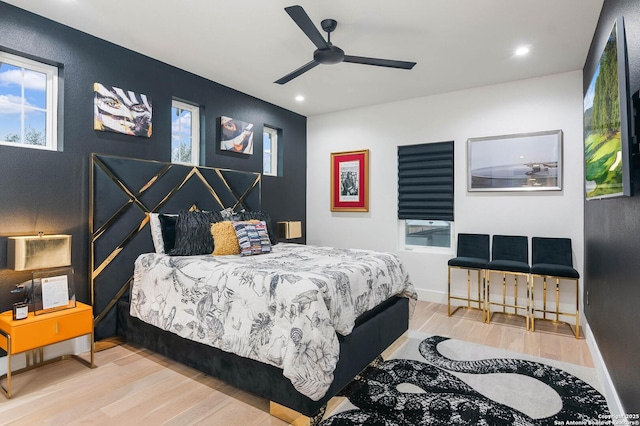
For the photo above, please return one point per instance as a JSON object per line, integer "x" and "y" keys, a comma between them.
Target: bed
{"x": 330, "y": 313}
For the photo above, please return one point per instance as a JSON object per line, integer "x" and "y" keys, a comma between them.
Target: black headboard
{"x": 122, "y": 192}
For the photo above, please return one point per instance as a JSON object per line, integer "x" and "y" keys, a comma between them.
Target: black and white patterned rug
{"x": 433, "y": 380}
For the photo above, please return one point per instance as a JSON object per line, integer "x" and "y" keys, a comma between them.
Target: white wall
{"x": 546, "y": 103}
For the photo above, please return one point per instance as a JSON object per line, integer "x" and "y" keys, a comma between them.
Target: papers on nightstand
{"x": 55, "y": 292}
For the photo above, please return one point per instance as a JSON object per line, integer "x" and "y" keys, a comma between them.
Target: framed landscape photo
{"x": 521, "y": 162}
{"x": 350, "y": 181}
{"x": 606, "y": 122}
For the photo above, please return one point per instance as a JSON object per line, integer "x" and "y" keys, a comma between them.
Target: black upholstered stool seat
{"x": 553, "y": 258}
{"x": 554, "y": 270}
{"x": 509, "y": 256}
{"x": 508, "y": 266}
{"x": 468, "y": 262}
{"x": 472, "y": 254}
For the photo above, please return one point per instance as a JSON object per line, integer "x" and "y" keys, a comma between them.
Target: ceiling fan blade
{"x": 379, "y": 62}
{"x": 301, "y": 18}
{"x": 296, "y": 73}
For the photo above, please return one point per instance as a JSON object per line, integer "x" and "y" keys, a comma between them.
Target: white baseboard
{"x": 615, "y": 406}
{"x": 432, "y": 296}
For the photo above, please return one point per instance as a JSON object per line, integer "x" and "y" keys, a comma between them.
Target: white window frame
{"x": 51, "y": 113}
{"x": 273, "y": 151}
{"x": 402, "y": 240}
{"x": 195, "y": 131}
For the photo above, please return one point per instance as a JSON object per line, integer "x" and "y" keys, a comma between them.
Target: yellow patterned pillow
{"x": 225, "y": 240}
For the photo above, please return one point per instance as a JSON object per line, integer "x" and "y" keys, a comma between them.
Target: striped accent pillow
{"x": 252, "y": 237}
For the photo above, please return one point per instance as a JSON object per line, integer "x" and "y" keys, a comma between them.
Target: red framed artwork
{"x": 350, "y": 181}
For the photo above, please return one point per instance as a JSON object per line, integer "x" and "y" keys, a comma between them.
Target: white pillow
{"x": 156, "y": 232}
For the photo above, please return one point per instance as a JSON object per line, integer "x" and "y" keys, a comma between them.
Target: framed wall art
{"x": 236, "y": 136}
{"x": 521, "y": 162}
{"x": 121, "y": 111}
{"x": 606, "y": 122}
{"x": 350, "y": 181}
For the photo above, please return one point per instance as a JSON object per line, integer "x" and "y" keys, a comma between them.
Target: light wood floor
{"x": 134, "y": 386}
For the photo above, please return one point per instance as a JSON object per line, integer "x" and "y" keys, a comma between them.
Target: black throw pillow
{"x": 193, "y": 234}
{"x": 168, "y": 227}
{"x": 214, "y": 216}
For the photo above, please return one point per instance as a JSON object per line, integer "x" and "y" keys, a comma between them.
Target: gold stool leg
{"x": 544, "y": 297}
{"x": 557, "y": 299}
{"x": 449, "y": 290}
{"x": 577, "y": 310}
{"x": 532, "y": 305}
{"x": 504, "y": 293}
{"x": 479, "y": 298}
{"x": 556, "y": 311}
{"x": 515, "y": 295}
{"x": 528, "y": 306}
{"x": 487, "y": 298}
{"x": 479, "y": 292}
{"x": 468, "y": 288}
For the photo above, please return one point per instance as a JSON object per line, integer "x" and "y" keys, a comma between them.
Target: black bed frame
{"x": 123, "y": 190}
{"x": 374, "y": 332}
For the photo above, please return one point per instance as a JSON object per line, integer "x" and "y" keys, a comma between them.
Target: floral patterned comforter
{"x": 283, "y": 308}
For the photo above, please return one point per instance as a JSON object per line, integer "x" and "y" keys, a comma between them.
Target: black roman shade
{"x": 425, "y": 181}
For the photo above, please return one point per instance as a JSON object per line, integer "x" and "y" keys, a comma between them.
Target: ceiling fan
{"x": 326, "y": 53}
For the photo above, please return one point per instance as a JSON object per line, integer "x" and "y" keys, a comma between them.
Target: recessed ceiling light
{"x": 299, "y": 98}
{"x": 521, "y": 51}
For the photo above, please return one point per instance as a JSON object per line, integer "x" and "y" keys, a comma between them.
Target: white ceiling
{"x": 248, "y": 44}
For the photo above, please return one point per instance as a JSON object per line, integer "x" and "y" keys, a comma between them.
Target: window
{"x": 185, "y": 133}
{"x": 28, "y": 103}
{"x": 427, "y": 233}
{"x": 425, "y": 194}
{"x": 270, "y": 151}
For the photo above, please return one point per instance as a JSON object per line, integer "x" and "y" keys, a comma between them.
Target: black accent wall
{"x": 49, "y": 191}
{"x": 612, "y": 239}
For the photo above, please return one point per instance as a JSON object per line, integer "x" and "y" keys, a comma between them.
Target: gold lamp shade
{"x": 290, "y": 229}
{"x": 38, "y": 252}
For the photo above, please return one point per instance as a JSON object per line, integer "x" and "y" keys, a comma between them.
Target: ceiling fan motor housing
{"x": 332, "y": 55}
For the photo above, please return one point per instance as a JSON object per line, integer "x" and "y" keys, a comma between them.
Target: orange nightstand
{"x": 31, "y": 334}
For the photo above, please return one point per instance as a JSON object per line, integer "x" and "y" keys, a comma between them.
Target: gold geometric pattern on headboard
{"x": 127, "y": 182}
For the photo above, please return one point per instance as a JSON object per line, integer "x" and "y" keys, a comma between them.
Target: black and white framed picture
{"x": 121, "y": 111}
{"x": 236, "y": 136}
{"x": 520, "y": 162}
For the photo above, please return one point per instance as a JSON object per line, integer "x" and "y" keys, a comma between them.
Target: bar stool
{"x": 472, "y": 255}
{"x": 552, "y": 258}
{"x": 509, "y": 256}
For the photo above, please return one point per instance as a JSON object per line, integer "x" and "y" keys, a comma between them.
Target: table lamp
{"x": 35, "y": 253}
